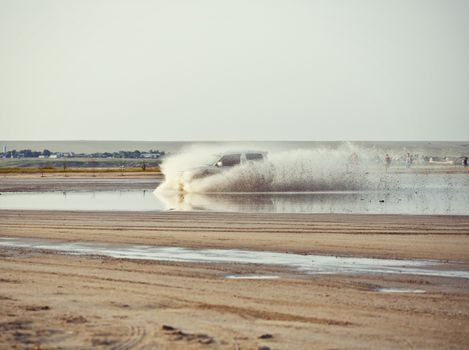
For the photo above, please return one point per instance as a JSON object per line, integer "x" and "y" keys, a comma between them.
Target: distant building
{"x": 53, "y": 156}
{"x": 150, "y": 155}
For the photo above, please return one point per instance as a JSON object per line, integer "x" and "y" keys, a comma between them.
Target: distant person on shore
{"x": 387, "y": 161}
{"x": 408, "y": 160}
{"x": 353, "y": 162}
{"x": 464, "y": 162}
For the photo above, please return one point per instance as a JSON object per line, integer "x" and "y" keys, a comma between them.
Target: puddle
{"x": 252, "y": 277}
{"x": 307, "y": 264}
{"x": 399, "y": 290}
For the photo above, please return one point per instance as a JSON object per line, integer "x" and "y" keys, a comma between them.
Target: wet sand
{"x": 51, "y": 300}
{"x": 378, "y": 236}
{"x": 79, "y": 181}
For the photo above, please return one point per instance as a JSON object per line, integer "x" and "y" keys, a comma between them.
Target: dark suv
{"x": 227, "y": 160}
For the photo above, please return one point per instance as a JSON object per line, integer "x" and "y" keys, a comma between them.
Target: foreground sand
{"x": 50, "y": 300}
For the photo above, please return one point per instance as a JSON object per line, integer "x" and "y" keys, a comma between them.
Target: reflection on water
{"x": 134, "y": 200}
{"x": 432, "y": 201}
{"x": 394, "y": 193}
{"x": 375, "y": 202}
{"x": 308, "y": 264}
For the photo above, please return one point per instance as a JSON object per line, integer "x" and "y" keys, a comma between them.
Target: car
{"x": 226, "y": 161}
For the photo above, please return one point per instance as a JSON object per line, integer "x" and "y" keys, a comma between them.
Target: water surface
{"x": 307, "y": 264}
{"x": 367, "y": 202}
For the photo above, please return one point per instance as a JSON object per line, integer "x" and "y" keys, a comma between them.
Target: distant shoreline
{"x": 455, "y": 148}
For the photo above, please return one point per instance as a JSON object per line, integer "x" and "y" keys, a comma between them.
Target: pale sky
{"x": 234, "y": 70}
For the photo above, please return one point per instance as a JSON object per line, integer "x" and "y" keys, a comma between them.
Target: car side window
{"x": 254, "y": 156}
{"x": 231, "y": 159}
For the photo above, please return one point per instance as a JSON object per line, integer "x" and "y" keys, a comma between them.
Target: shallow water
{"x": 406, "y": 201}
{"x": 132, "y": 200}
{"x": 252, "y": 277}
{"x": 307, "y": 264}
{"x": 430, "y": 202}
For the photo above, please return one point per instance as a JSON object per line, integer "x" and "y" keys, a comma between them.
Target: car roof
{"x": 240, "y": 151}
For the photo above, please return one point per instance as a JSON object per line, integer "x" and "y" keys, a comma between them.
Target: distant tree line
{"x": 27, "y": 153}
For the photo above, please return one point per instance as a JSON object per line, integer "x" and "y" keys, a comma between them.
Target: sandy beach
{"x": 234, "y": 175}
{"x": 53, "y": 300}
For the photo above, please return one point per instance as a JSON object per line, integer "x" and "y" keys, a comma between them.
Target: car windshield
{"x": 231, "y": 159}
{"x": 254, "y": 156}
{"x": 211, "y": 159}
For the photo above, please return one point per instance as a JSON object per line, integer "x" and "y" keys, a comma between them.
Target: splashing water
{"x": 319, "y": 169}
{"x": 348, "y": 167}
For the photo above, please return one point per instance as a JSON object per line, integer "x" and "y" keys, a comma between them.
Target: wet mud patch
{"x": 178, "y": 335}
{"x": 15, "y": 325}
{"x": 28, "y": 333}
{"x": 266, "y": 336}
{"x": 120, "y": 305}
{"x": 9, "y": 280}
{"x": 15, "y": 253}
{"x": 37, "y": 308}
{"x": 74, "y": 319}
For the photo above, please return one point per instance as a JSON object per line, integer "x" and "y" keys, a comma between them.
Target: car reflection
{"x": 215, "y": 202}
{"x": 372, "y": 202}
